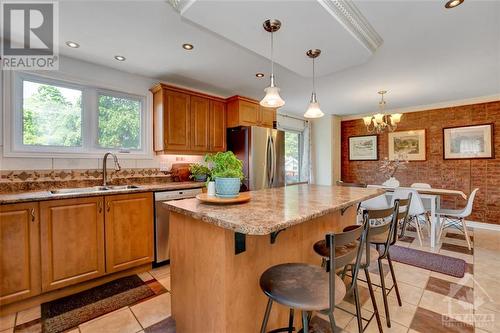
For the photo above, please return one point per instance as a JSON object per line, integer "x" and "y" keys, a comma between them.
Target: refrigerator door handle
{"x": 269, "y": 158}
{"x": 273, "y": 162}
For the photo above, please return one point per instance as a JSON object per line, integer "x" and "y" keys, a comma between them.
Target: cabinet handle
{"x": 100, "y": 206}
{"x": 108, "y": 206}
{"x": 32, "y": 213}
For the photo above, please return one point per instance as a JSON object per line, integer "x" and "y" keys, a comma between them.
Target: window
{"x": 292, "y": 157}
{"x": 52, "y": 117}
{"x": 119, "y": 122}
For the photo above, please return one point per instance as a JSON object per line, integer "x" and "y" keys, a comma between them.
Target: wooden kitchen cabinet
{"x": 72, "y": 241}
{"x": 129, "y": 230}
{"x": 19, "y": 252}
{"x": 217, "y": 126}
{"x": 242, "y": 111}
{"x": 200, "y": 124}
{"x": 187, "y": 122}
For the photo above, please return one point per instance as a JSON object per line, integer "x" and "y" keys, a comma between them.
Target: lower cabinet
{"x": 19, "y": 252}
{"x": 72, "y": 241}
{"x": 129, "y": 231}
{"x": 57, "y": 243}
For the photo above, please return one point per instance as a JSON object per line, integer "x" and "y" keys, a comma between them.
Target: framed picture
{"x": 363, "y": 148}
{"x": 467, "y": 142}
{"x": 408, "y": 145}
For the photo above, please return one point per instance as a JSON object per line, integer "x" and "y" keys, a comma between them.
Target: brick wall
{"x": 463, "y": 175}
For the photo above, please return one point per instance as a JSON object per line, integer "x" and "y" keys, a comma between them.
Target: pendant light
{"x": 313, "y": 111}
{"x": 272, "y": 98}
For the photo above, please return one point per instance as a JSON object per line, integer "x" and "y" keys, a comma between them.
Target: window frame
{"x": 300, "y": 144}
{"x": 13, "y": 119}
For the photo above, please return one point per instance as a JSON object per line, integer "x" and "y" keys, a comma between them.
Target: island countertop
{"x": 274, "y": 209}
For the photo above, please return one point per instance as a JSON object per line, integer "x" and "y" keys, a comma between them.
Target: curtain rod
{"x": 297, "y": 118}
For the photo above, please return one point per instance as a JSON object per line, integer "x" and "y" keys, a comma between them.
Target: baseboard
{"x": 481, "y": 225}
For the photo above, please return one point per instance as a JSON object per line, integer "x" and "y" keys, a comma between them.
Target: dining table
{"x": 432, "y": 201}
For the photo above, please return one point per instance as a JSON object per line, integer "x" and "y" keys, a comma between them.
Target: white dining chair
{"x": 456, "y": 217}
{"x": 421, "y": 185}
{"x": 416, "y": 212}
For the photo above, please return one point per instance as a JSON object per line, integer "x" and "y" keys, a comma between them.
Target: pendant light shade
{"x": 272, "y": 99}
{"x": 313, "y": 110}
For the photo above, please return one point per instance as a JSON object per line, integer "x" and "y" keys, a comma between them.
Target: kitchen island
{"x": 219, "y": 252}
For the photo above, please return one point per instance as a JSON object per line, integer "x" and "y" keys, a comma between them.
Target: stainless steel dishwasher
{"x": 162, "y": 255}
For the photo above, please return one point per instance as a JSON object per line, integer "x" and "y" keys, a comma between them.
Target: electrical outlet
{"x": 163, "y": 166}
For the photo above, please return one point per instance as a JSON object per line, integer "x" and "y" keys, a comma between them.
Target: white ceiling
{"x": 305, "y": 25}
{"x": 429, "y": 54}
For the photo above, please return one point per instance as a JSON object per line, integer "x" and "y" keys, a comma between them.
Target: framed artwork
{"x": 363, "y": 148}
{"x": 407, "y": 145}
{"x": 468, "y": 142}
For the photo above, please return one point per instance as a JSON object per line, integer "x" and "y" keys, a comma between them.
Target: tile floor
{"x": 470, "y": 304}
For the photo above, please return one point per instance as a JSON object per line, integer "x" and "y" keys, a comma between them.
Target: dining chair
{"x": 456, "y": 217}
{"x": 421, "y": 185}
{"x": 314, "y": 288}
{"x": 416, "y": 212}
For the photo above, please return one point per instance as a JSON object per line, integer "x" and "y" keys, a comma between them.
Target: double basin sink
{"x": 94, "y": 189}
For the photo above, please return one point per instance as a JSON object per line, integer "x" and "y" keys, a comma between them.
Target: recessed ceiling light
{"x": 120, "y": 58}
{"x": 259, "y": 75}
{"x": 453, "y": 3}
{"x": 187, "y": 46}
{"x": 72, "y": 44}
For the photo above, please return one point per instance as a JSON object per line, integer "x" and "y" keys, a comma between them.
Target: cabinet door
{"x": 200, "y": 116}
{"x": 129, "y": 231}
{"x": 177, "y": 121}
{"x": 267, "y": 117}
{"x": 72, "y": 241}
{"x": 249, "y": 113}
{"x": 19, "y": 252}
{"x": 217, "y": 126}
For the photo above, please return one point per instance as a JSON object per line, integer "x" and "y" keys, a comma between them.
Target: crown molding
{"x": 353, "y": 20}
{"x": 181, "y": 5}
{"x": 427, "y": 107}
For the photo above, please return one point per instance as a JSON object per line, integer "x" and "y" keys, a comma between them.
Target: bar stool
{"x": 312, "y": 288}
{"x": 369, "y": 256}
{"x": 385, "y": 235}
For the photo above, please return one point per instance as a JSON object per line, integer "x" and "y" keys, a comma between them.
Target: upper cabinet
{"x": 243, "y": 111}
{"x": 187, "y": 122}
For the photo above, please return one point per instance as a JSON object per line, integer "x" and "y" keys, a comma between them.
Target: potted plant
{"x": 199, "y": 172}
{"x": 227, "y": 171}
{"x": 389, "y": 169}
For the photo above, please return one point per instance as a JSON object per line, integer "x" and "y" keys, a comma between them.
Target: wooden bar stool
{"x": 313, "y": 288}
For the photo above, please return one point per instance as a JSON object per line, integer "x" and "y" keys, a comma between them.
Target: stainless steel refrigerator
{"x": 262, "y": 151}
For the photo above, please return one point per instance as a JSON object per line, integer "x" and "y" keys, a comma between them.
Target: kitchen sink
{"x": 121, "y": 187}
{"x": 93, "y": 189}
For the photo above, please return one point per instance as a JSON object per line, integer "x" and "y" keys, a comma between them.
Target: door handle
{"x": 32, "y": 213}
{"x": 108, "y": 206}
{"x": 100, "y": 206}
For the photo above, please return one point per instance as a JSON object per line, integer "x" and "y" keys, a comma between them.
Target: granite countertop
{"x": 47, "y": 195}
{"x": 274, "y": 209}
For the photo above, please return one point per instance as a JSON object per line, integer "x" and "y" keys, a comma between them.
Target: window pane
{"x": 52, "y": 115}
{"x": 292, "y": 157}
{"x": 119, "y": 122}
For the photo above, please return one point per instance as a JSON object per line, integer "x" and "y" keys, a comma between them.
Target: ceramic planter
{"x": 227, "y": 187}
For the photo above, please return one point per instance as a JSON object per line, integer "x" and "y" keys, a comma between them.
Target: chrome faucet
{"x": 104, "y": 166}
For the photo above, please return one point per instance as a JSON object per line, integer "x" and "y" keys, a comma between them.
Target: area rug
{"x": 430, "y": 261}
{"x": 64, "y": 313}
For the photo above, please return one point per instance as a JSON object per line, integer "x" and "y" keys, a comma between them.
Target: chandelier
{"x": 381, "y": 121}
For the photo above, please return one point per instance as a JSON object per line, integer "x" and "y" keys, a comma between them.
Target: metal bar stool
{"x": 312, "y": 288}
{"x": 385, "y": 235}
